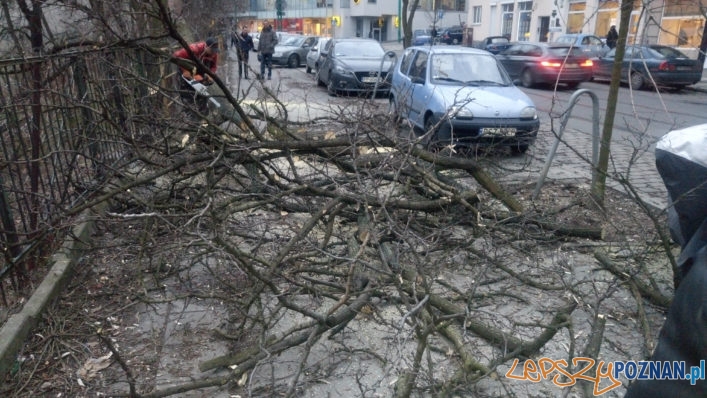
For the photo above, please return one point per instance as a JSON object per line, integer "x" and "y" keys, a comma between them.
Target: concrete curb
{"x": 18, "y": 326}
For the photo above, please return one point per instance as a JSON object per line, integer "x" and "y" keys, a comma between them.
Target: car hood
{"x": 485, "y": 101}
{"x": 364, "y": 64}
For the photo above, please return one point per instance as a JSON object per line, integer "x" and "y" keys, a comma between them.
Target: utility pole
{"x": 280, "y": 8}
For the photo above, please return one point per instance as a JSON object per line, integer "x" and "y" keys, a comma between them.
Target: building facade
{"x": 378, "y": 19}
{"x": 676, "y": 23}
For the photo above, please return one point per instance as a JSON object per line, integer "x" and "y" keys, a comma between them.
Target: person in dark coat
{"x": 612, "y": 37}
{"x": 266, "y": 47}
{"x": 681, "y": 160}
{"x": 245, "y": 45}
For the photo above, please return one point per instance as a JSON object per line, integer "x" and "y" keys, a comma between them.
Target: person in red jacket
{"x": 207, "y": 52}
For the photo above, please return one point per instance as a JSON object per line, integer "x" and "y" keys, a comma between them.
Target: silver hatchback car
{"x": 461, "y": 96}
{"x": 315, "y": 54}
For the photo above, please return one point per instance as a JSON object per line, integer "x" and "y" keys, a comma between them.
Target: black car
{"x": 643, "y": 65}
{"x": 452, "y": 35}
{"x": 354, "y": 66}
{"x": 546, "y": 63}
{"x": 495, "y": 44}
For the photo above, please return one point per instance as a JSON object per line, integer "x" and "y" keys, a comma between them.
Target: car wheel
{"x": 526, "y": 78}
{"x": 320, "y": 83}
{"x": 637, "y": 80}
{"x": 330, "y": 87}
{"x": 455, "y": 41}
{"x": 293, "y": 61}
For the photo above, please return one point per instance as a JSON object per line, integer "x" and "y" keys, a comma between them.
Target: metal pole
{"x": 563, "y": 123}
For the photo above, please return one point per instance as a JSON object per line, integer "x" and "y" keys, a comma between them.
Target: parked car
{"x": 314, "y": 55}
{"x": 421, "y": 37}
{"x": 495, "y": 44}
{"x": 461, "y": 96}
{"x": 292, "y": 50}
{"x": 546, "y": 63}
{"x": 452, "y": 35}
{"x": 592, "y": 46}
{"x": 644, "y": 64}
{"x": 354, "y": 66}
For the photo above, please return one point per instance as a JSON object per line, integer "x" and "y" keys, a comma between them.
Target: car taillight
{"x": 549, "y": 64}
{"x": 587, "y": 64}
{"x": 665, "y": 65}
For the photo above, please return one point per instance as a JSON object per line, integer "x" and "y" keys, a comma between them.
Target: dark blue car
{"x": 643, "y": 65}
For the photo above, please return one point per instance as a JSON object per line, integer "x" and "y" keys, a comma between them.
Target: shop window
{"x": 675, "y": 8}
{"x": 681, "y": 32}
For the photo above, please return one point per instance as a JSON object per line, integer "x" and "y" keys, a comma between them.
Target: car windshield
{"x": 566, "y": 39}
{"x": 497, "y": 40}
{"x": 467, "y": 69}
{"x": 359, "y": 50}
{"x": 292, "y": 41}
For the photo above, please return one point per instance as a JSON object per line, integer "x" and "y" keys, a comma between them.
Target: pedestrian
{"x": 205, "y": 52}
{"x": 266, "y": 47}
{"x": 612, "y": 37}
{"x": 245, "y": 45}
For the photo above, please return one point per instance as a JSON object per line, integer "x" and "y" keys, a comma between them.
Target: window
{"x": 451, "y": 5}
{"x": 575, "y": 19}
{"x": 507, "y": 20}
{"x": 675, "y": 8}
{"x": 407, "y": 60}
{"x": 681, "y": 32}
{"x": 525, "y": 9}
{"x": 476, "y": 17}
{"x": 419, "y": 66}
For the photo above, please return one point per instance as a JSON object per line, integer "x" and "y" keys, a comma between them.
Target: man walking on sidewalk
{"x": 266, "y": 47}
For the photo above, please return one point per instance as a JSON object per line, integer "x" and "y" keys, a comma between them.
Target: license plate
{"x": 684, "y": 68}
{"x": 571, "y": 66}
{"x": 500, "y": 131}
{"x": 369, "y": 79}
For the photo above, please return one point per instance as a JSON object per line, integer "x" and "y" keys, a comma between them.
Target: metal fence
{"x": 67, "y": 125}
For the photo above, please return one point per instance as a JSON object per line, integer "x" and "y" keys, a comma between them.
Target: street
{"x": 642, "y": 117}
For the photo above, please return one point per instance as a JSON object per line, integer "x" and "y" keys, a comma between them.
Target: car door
{"x": 401, "y": 85}
{"x": 512, "y": 60}
{"x": 603, "y": 65}
{"x": 418, "y": 95}
{"x": 592, "y": 46}
{"x": 325, "y": 62}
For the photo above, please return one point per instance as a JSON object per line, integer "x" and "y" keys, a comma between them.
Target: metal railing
{"x": 66, "y": 124}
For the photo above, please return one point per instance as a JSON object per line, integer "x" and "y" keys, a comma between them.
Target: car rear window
{"x": 497, "y": 40}
{"x": 564, "y": 51}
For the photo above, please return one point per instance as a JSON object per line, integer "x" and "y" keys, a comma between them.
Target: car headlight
{"x": 340, "y": 70}
{"x": 529, "y": 113}
{"x": 460, "y": 111}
